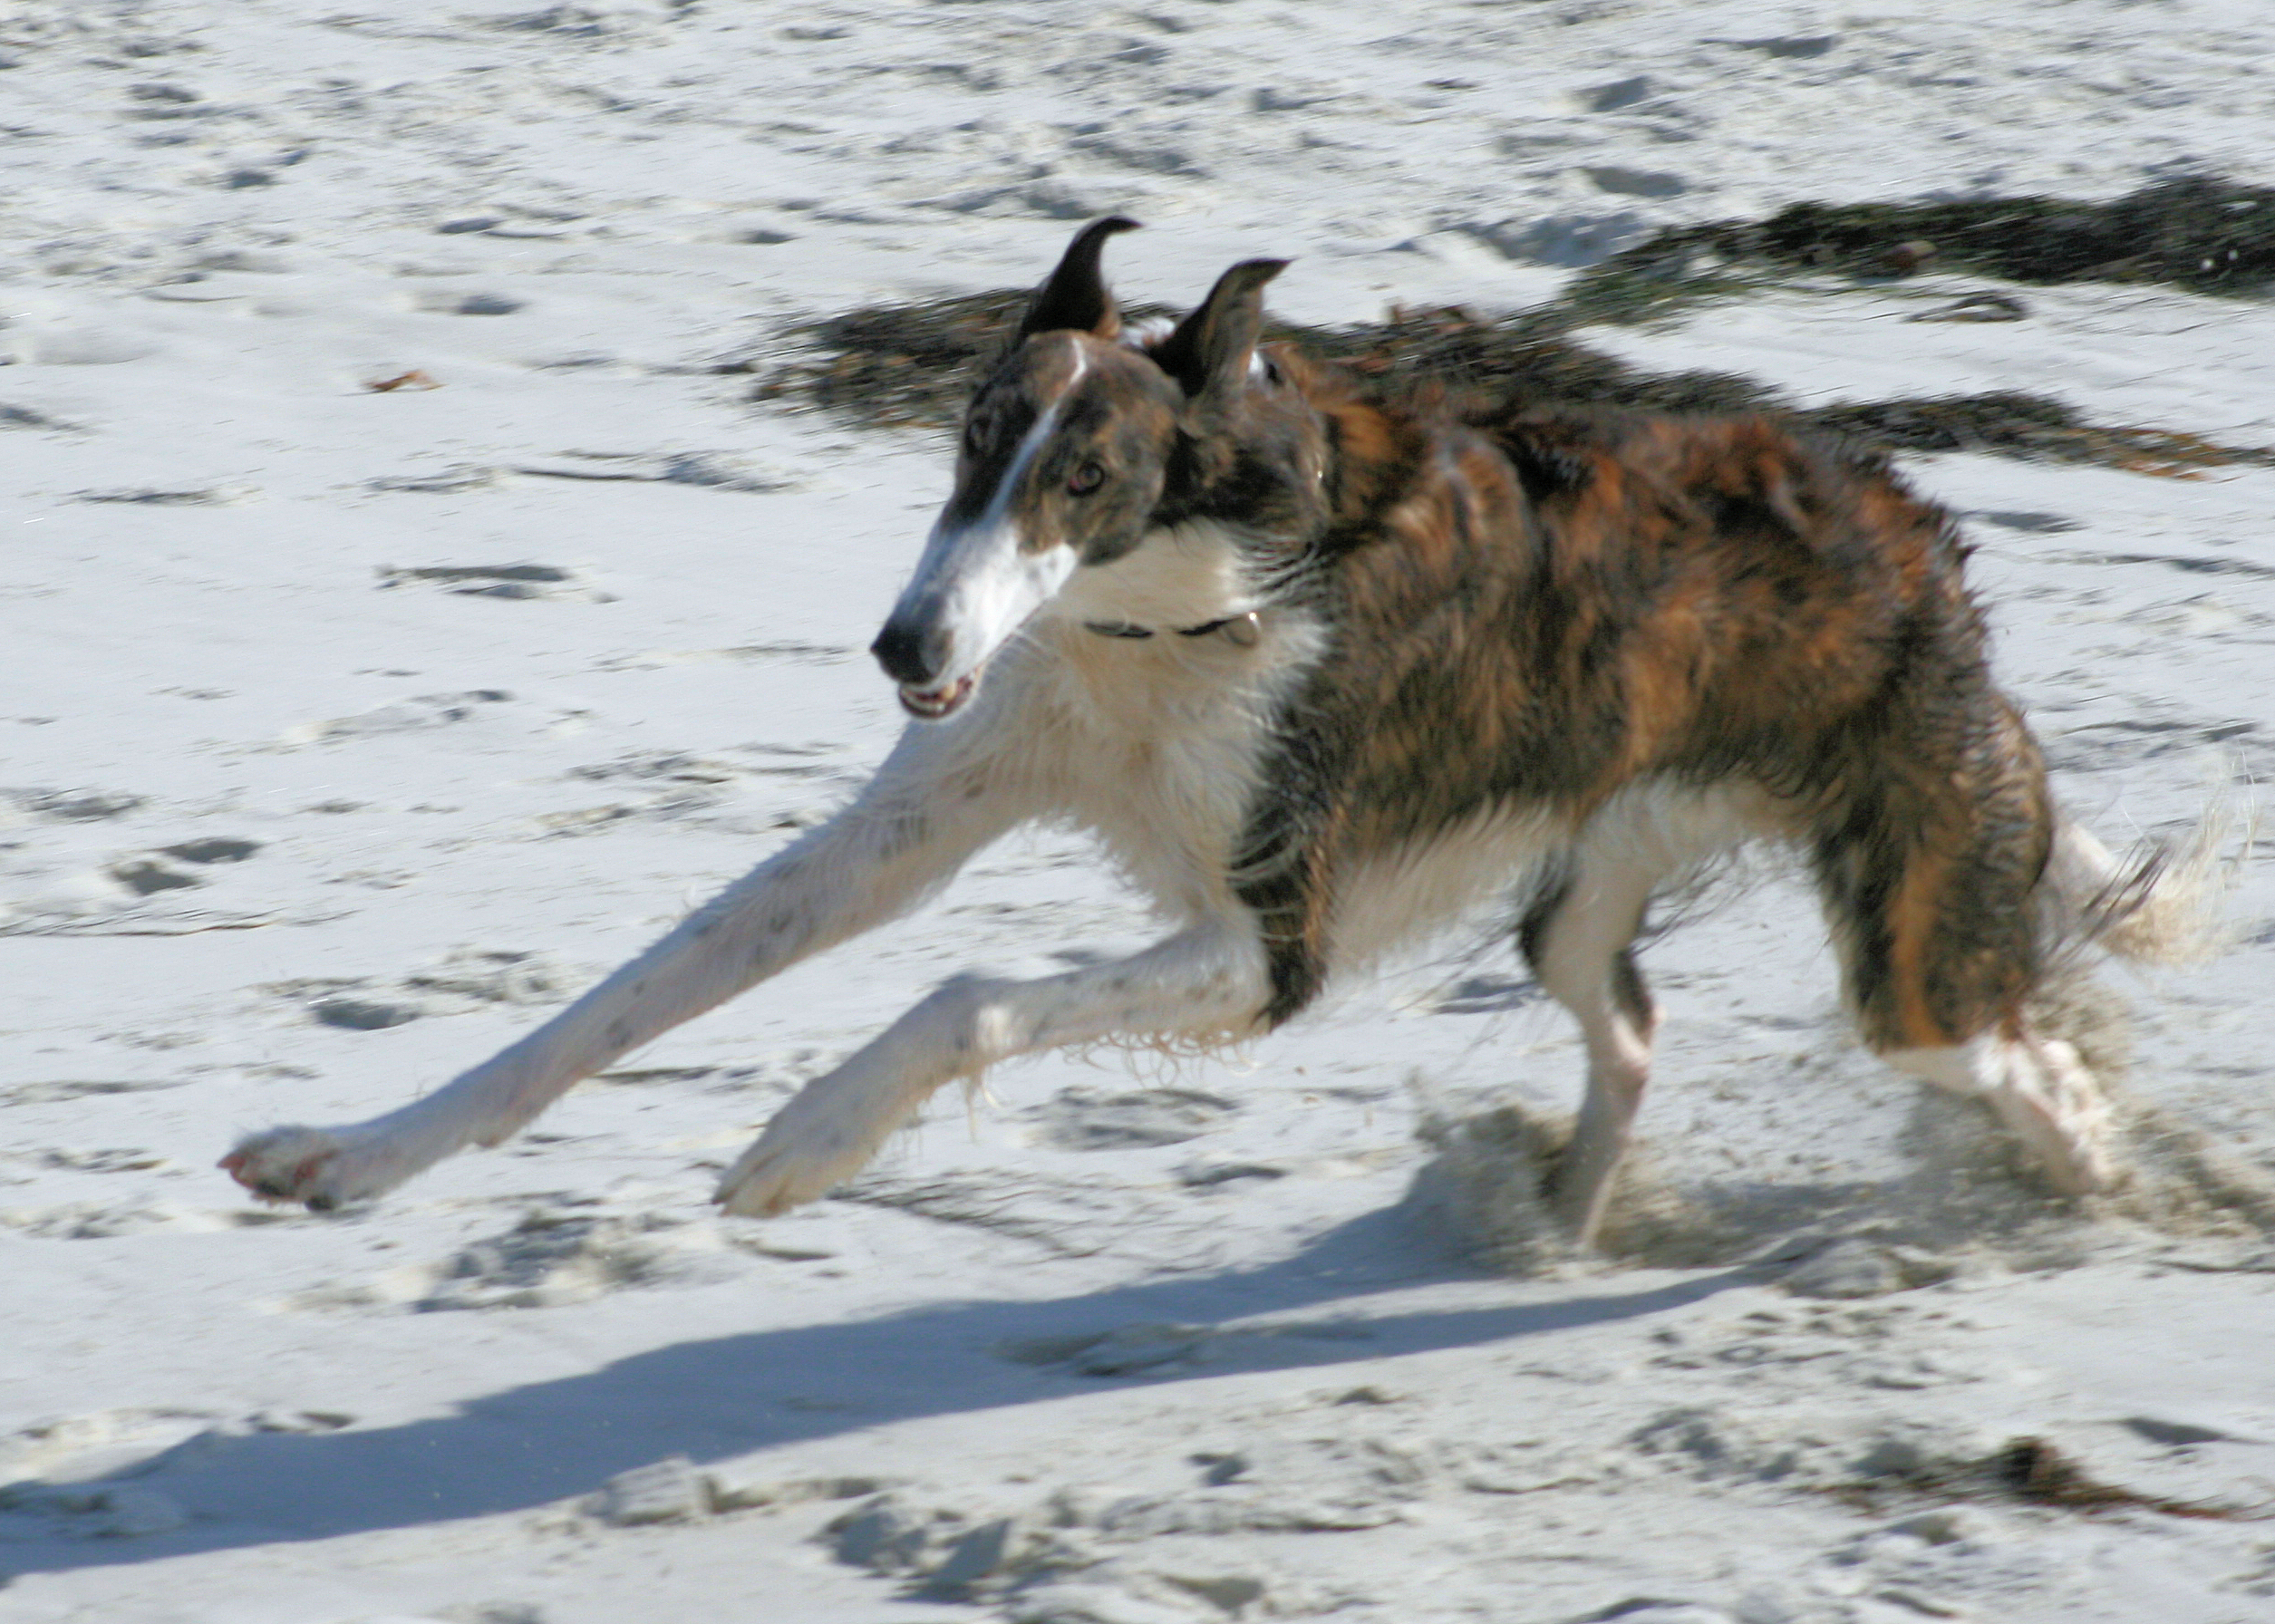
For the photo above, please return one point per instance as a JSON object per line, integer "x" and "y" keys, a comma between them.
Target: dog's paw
{"x": 318, "y": 1169}
{"x": 778, "y": 1173}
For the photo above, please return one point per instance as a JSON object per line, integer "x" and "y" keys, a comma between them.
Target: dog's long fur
{"x": 1320, "y": 670}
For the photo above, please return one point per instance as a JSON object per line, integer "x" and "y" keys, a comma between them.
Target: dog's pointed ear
{"x": 1208, "y": 355}
{"x": 1076, "y": 295}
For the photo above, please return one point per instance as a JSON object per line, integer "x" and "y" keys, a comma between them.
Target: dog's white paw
{"x": 317, "y": 1168}
{"x": 2052, "y": 1103}
{"x": 785, "y": 1170}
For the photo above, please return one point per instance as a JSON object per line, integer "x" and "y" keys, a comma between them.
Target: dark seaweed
{"x": 2196, "y": 232}
{"x": 914, "y": 365}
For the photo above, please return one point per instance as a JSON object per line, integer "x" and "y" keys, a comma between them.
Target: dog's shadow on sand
{"x": 525, "y": 1447}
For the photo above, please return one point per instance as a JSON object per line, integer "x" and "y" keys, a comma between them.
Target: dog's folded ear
{"x": 1208, "y": 355}
{"x": 1076, "y": 295}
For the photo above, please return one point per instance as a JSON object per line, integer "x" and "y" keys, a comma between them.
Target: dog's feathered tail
{"x": 2163, "y": 903}
{"x": 2160, "y": 904}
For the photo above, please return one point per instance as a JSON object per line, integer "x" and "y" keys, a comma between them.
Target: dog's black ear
{"x": 1208, "y": 355}
{"x": 1076, "y": 295}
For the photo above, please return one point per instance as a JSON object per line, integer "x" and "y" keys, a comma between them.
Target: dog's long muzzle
{"x": 917, "y": 647}
{"x": 973, "y": 588}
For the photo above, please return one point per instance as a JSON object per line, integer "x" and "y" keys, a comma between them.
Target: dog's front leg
{"x": 1207, "y": 984}
{"x": 913, "y": 826}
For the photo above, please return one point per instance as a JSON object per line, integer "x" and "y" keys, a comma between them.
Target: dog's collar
{"x": 1240, "y": 630}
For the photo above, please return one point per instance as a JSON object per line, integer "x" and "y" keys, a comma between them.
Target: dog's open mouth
{"x": 936, "y": 704}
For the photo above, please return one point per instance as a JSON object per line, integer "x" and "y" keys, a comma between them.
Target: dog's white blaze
{"x": 995, "y": 585}
{"x": 983, "y": 575}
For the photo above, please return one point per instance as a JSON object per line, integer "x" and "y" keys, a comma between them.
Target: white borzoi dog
{"x": 1321, "y": 666}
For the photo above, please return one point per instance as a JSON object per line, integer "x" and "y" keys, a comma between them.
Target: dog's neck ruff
{"x": 1240, "y": 630}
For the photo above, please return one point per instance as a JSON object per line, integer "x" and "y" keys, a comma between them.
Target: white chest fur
{"x": 1155, "y": 743}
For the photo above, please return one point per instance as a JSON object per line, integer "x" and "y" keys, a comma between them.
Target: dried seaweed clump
{"x": 2200, "y": 233}
{"x": 913, "y": 366}
{"x": 895, "y": 365}
{"x": 2029, "y": 426}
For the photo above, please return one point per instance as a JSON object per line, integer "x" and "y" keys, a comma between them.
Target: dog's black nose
{"x": 907, "y": 653}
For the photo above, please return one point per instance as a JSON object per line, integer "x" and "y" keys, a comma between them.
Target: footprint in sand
{"x": 543, "y": 581}
{"x": 463, "y": 980}
{"x": 554, "y": 1256}
{"x": 416, "y": 714}
{"x": 1081, "y": 1118}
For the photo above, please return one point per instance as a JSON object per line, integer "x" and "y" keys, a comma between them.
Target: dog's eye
{"x": 1086, "y": 479}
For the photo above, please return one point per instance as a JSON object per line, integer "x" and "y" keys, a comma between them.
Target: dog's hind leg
{"x": 1205, "y": 984}
{"x": 919, "y": 819}
{"x": 1931, "y": 876}
{"x": 1577, "y": 939}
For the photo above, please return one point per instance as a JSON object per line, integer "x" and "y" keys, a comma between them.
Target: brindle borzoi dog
{"x": 1320, "y": 670}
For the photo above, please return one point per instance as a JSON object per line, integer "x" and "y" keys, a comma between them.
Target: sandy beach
{"x": 415, "y": 603}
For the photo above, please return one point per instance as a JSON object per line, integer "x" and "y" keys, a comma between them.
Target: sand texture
{"x": 414, "y": 599}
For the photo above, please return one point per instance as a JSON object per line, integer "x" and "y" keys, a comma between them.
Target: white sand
{"x": 225, "y": 218}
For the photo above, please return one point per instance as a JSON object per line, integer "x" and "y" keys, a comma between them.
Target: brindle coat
{"x": 1590, "y": 600}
